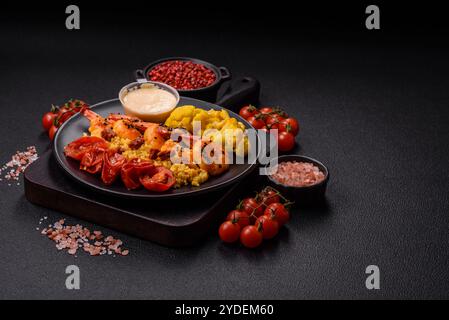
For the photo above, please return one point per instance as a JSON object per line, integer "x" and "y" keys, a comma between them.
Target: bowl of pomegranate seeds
{"x": 303, "y": 178}
{"x": 192, "y": 78}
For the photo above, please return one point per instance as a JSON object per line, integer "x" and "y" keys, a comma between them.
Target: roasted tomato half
{"x": 78, "y": 148}
{"x": 133, "y": 170}
{"x": 92, "y": 160}
{"x": 112, "y": 165}
{"x": 160, "y": 181}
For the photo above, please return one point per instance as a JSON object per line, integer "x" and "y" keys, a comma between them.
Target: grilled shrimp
{"x": 214, "y": 164}
{"x": 97, "y": 123}
{"x": 166, "y": 149}
{"x": 132, "y": 121}
{"x": 122, "y": 125}
{"x": 153, "y": 136}
{"x": 124, "y": 130}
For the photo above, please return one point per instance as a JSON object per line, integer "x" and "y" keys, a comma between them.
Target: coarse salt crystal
{"x": 18, "y": 163}
{"x": 73, "y": 237}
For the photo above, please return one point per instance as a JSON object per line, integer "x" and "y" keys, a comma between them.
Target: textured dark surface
{"x": 374, "y": 111}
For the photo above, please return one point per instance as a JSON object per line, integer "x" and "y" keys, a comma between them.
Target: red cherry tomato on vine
{"x": 251, "y": 237}
{"x": 256, "y": 122}
{"x": 64, "y": 116}
{"x": 266, "y": 110}
{"x": 238, "y": 216}
{"x": 48, "y": 120}
{"x": 289, "y": 125}
{"x": 229, "y": 232}
{"x": 269, "y": 196}
{"x": 52, "y": 132}
{"x": 286, "y": 141}
{"x": 248, "y": 111}
{"x": 273, "y": 119}
{"x": 278, "y": 212}
{"x": 269, "y": 226}
{"x": 252, "y": 207}
{"x": 63, "y": 109}
{"x": 76, "y": 104}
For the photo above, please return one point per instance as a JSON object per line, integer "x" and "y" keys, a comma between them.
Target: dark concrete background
{"x": 373, "y": 107}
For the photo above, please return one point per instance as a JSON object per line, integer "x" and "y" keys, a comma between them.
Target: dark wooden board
{"x": 175, "y": 222}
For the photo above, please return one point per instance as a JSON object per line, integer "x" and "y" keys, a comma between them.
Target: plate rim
{"x": 152, "y": 196}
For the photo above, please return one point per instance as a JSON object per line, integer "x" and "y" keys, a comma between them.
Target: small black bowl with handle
{"x": 208, "y": 94}
{"x": 313, "y": 194}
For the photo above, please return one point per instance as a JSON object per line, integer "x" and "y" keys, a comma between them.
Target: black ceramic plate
{"x": 75, "y": 126}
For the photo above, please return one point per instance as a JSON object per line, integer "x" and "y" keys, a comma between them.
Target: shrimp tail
{"x": 89, "y": 114}
{"x": 97, "y": 122}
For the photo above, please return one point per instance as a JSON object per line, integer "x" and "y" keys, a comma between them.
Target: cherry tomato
{"x": 78, "y": 148}
{"x": 52, "y": 132}
{"x": 48, "y": 119}
{"x": 278, "y": 212}
{"x": 286, "y": 141}
{"x": 229, "y": 232}
{"x": 63, "y": 109}
{"x": 289, "y": 125}
{"x": 238, "y": 216}
{"x": 273, "y": 119}
{"x": 252, "y": 208}
{"x": 161, "y": 180}
{"x": 112, "y": 165}
{"x": 92, "y": 160}
{"x": 269, "y": 196}
{"x": 251, "y": 237}
{"x": 281, "y": 112}
{"x": 269, "y": 226}
{"x": 133, "y": 172}
{"x": 63, "y": 116}
{"x": 248, "y": 111}
{"x": 76, "y": 105}
{"x": 256, "y": 122}
{"x": 266, "y": 110}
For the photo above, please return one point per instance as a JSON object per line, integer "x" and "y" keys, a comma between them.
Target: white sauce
{"x": 149, "y": 100}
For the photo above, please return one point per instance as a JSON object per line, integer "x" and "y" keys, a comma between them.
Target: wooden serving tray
{"x": 175, "y": 222}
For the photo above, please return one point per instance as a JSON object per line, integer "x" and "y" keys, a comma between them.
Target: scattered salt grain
{"x": 12, "y": 170}
{"x": 76, "y": 237}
